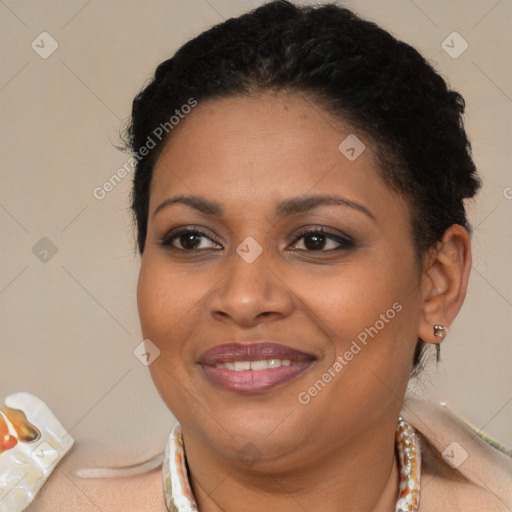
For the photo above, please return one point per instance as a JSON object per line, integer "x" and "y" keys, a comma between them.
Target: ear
{"x": 444, "y": 282}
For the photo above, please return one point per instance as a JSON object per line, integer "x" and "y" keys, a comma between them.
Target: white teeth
{"x": 262, "y": 364}
{"x": 259, "y": 365}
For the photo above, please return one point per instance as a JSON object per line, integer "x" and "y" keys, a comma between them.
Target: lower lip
{"x": 253, "y": 381}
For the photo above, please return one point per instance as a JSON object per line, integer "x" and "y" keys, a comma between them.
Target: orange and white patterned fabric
{"x": 32, "y": 443}
{"x": 178, "y": 494}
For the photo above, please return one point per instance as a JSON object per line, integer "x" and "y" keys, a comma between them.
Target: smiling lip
{"x": 291, "y": 363}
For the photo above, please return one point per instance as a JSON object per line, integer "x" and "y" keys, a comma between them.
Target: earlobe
{"x": 444, "y": 283}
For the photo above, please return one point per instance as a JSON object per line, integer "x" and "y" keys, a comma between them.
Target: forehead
{"x": 243, "y": 150}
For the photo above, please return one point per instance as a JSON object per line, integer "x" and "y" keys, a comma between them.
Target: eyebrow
{"x": 286, "y": 208}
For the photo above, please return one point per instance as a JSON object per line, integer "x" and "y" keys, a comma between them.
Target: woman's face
{"x": 271, "y": 338}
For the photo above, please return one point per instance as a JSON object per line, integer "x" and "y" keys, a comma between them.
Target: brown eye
{"x": 187, "y": 240}
{"x": 190, "y": 240}
{"x": 323, "y": 241}
{"x": 315, "y": 242}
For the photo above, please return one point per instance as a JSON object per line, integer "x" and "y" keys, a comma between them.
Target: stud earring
{"x": 440, "y": 332}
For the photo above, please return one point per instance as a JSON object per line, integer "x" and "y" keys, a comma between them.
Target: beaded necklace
{"x": 179, "y": 497}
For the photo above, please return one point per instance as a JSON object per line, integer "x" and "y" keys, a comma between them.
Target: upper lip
{"x": 252, "y": 351}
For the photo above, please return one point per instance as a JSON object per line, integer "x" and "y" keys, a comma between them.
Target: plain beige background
{"x": 69, "y": 324}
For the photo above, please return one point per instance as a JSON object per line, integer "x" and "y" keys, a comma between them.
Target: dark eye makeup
{"x": 189, "y": 239}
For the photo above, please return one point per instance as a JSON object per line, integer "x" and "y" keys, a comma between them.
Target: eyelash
{"x": 345, "y": 242}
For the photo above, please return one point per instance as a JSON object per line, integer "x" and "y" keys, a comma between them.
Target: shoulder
{"x": 446, "y": 488}
{"x": 460, "y": 470}
{"x": 64, "y": 491}
{"x": 453, "y": 496}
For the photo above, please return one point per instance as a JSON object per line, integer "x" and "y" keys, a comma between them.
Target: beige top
{"x": 482, "y": 480}
{"x": 460, "y": 472}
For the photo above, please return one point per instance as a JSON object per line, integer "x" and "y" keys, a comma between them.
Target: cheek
{"x": 357, "y": 298}
{"x": 165, "y": 299}
{"x": 371, "y": 317}
{"x": 171, "y": 304}
{"x": 163, "y": 306}
{"x": 150, "y": 301}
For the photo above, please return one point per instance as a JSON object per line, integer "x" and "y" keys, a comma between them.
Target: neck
{"x": 357, "y": 476}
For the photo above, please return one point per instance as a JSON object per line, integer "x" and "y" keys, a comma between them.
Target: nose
{"x": 251, "y": 293}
